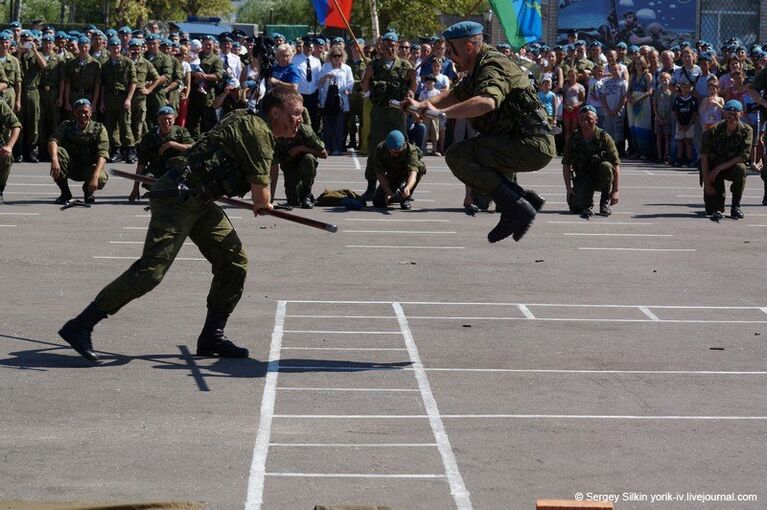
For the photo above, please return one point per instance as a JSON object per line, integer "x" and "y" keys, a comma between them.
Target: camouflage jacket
{"x": 584, "y": 155}
{"x": 720, "y": 145}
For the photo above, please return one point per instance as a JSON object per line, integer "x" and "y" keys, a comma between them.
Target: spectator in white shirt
{"x": 308, "y": 71}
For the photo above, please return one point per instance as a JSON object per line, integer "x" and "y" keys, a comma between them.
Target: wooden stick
{"x": 148, "y": 179}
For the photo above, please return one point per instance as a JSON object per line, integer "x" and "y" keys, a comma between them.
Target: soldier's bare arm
{"x": 261, "y": 196}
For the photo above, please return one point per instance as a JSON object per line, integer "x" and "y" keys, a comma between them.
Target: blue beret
{"x": 684, "y": 44}
{"x": 503, "y": 46}
{"x": 361, "y": 41}
{"x": 587, "y": 108}
{"x": 352, "y": 204}
{"x": 308, "y": 39}
{"x": 166, "y": 110}
{"x": 14, "y": 24}
{"x": 206, "y": 37}
{"x": 595, "y": 44}
{"x": 319, "y": 40}
{"x": 74, "y": 33}
{"x": 125, "y": 30}
{"x": 83, "y": 39}
{"x": 111, "y": 32}
{"x": 114, "y": 41}
{"x": 558, "y": 48}
{"x": 633, "y": 48}
{"x": 48, "y": 37}
{"x": 733, "y": 105}
{"x": 395, "y": 139}
{"x": 704, "y": 57}
{"x": 579, "y": 42}
{"x": 135, "y": 42}
{"x": 153, "y": 37}
{"x": 463, "y": 29}
{"x": 275, "y": 35}
{"x": 165, "y": 42}
{"x": 5, "y": 37}
{"x": 138, "y": 33}
{"x": 675, "y": 48}
{"x": 61, "y": 35}
{"x": 81, "y": 102}
{"x": 621, "y": 45}
{"x": 390, "y": 36}
{"x": 337, "y": 40}
{"x": 92, "y": 27}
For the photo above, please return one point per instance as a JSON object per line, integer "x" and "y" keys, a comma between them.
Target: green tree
{"x": 288, "y": 12}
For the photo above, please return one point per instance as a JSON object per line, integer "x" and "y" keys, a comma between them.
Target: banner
{"x": 521, "y": 20}
{"x": 658, "y": 23}
{"x": 328, "y": 15}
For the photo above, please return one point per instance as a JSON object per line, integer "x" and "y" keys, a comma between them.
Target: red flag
{"x": 334, "y": 18}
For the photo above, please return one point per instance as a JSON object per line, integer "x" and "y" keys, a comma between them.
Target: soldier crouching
{"x": 398, "y": 167}
{"x": 590, "y": 163}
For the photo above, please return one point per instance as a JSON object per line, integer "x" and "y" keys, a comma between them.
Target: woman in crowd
{"x": 336, "y": 83}
{"x": 639, "y": 108}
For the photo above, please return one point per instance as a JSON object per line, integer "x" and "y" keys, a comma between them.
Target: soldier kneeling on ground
{"x": 79, "y": 149}
{"x": 590, "y": 163}
{"x": 723, "y": 156}
{"x": 297, "y": 157}
{"x": 398, "y": 166}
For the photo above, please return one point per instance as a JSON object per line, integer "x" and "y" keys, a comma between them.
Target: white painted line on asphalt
{"x": 29, "y": 176}
{"x": 8, "y": 226}
{"x": 343, "y": 349}
{"x": 763, "y": 309}
{"x": 397, "y": 232}
{"x": 615, "y": 235}
{"x": 756, "y": 225}
{"x": 187, "y": 243}
{"x": 519, "y": 416}
{"x": 354, "y": 158}
{"x": 343, "y": 316}
{"x": 699, "y": 196}
{"x": 526, "y": 312}
{"x": 255, "y": 492}
{"x": 351, "y": 475}
{"x": 28, "y": 193}
{"x": 313, "y": 332}
{"x": 386, "y": 220}
{"x": 480, "y": 303}
{"x": 616, "y": 372}
{"x": 648, "y": 313}
{"x": 353, "y": 445}
{"x": 136, "y": 228}
{"x": 19, "y": 214}
{"x": 138, "y": 257}
{"x": 634, "y": 249}
{"x": 32, "y": 184}
{"x": 457, "y": 487}
{"x": 585, "y": 319}
{"x": 382, "y": 390}
{"x": 393, "y": 247}
{"x": 597, "y": 222}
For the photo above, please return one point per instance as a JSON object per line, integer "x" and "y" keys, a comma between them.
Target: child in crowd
{"x": 548, "y": 99}
{"x": 434, "y": 129}
{"x": 593, "y": 97}
{"x": 574, "y": 97}
{"x": 685, "y": 112}
{"x": 613, "y": 95}
{"x": 712, "y": 106}
{"x": 662, "y": 104}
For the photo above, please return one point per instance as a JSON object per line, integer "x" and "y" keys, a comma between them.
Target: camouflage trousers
{"x": 138, "y": 116}
{"x": 77, "y": 170}
{"x": 736, "y": 174}
{"x": 483, "y": 162}
{"x": 173, "y": 220}
{"x": 30, "y": 116}
{"x": 384, "y": 119}
{"x": 586, "y": 183}
{"x": 5, "y": 172}
{"x": 117, "y": 120}
{"x": 299, "y": 173}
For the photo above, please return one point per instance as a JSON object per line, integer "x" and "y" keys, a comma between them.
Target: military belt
{"x": 45, "y": 88}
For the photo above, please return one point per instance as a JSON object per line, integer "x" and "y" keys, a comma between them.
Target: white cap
{"x": 195, "y": 45}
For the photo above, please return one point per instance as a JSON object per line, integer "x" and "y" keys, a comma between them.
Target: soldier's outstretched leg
{"x": 516, "y": 213}
{"x": 77, "y": 332}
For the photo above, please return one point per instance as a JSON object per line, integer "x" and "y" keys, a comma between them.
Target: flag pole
{"x": 349, "y": 28}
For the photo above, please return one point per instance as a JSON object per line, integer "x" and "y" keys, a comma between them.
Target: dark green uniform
{"x": 146, "y": 74}
{"x": 720, "y": 145}
{"x": 30, "y": 101}
{"x": 8, "y": 121}
{"x": 200, "y": 116}
{"x": 355, "y": 100}
{"x": 12, "y": 70}
{"x": 387, "y": 83}
{"x": 149, "y": 148}
{"x": 79, "y": 150}
{"x": 397, "y": 168}
{"x": 164, "y": 66}
{"x": 301, "y": 170}
{"x": 227, "y": 159}
{"x": 174, "y": 96}
{"x": 82, "y": 76}
{"x": 511, "y": 138}
{"x": 116, "y": 78}
{"x": 51, "y": 78}
{"x": 592, "y": 163}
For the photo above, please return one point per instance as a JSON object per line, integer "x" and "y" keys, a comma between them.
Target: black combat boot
{"x": 369, "y": 192}
{"x": 516, "y": 214}
{"x": 32, "y": 154}
{"x": 130, "y": 156}
{"x": 66, "y": 195}
{"x": 604, "y": 204}
{"x": 735, "y": 212}
{"x": 531, "y": 196}
{"x": 114, "y": 156}
{"x": 77, "y": 332}
{"x": 305, "y": 197}
{"x": 213, "y": 342}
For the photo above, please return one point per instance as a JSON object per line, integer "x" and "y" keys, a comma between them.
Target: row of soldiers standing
{"x": 127, "y": 88}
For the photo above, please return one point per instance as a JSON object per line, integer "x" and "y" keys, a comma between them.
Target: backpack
{"x": 333, "y": 100}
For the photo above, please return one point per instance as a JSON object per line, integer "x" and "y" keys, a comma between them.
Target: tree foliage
{"x": 280, "y": 12}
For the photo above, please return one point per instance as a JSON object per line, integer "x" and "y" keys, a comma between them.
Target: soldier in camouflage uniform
{"x": 12, "y": 71}
{"x": 398, "y": 167}
{"x": 387, "y": 78}
{"x": 173, "y": 90}
{"x": 82, "y": 77}
{"x": 200, "y": 115}
{"x": 590, "y": 163}
{"x": 32, "y": 63}
{"x": 51, "y": 90}
{"x": 234, "y": 158}
{"x": 297, "y": 157}
{"x": 513, "y": 131}
{"x": 79, "y": 149}
{"x": 10, "y": 127}
{"x": 118, "y": 84}
{"x": 147, "y": 80}
{"x": 159, "y": 145}
{"x": 164, "y": 65}
{"x": 726, "y": 150}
